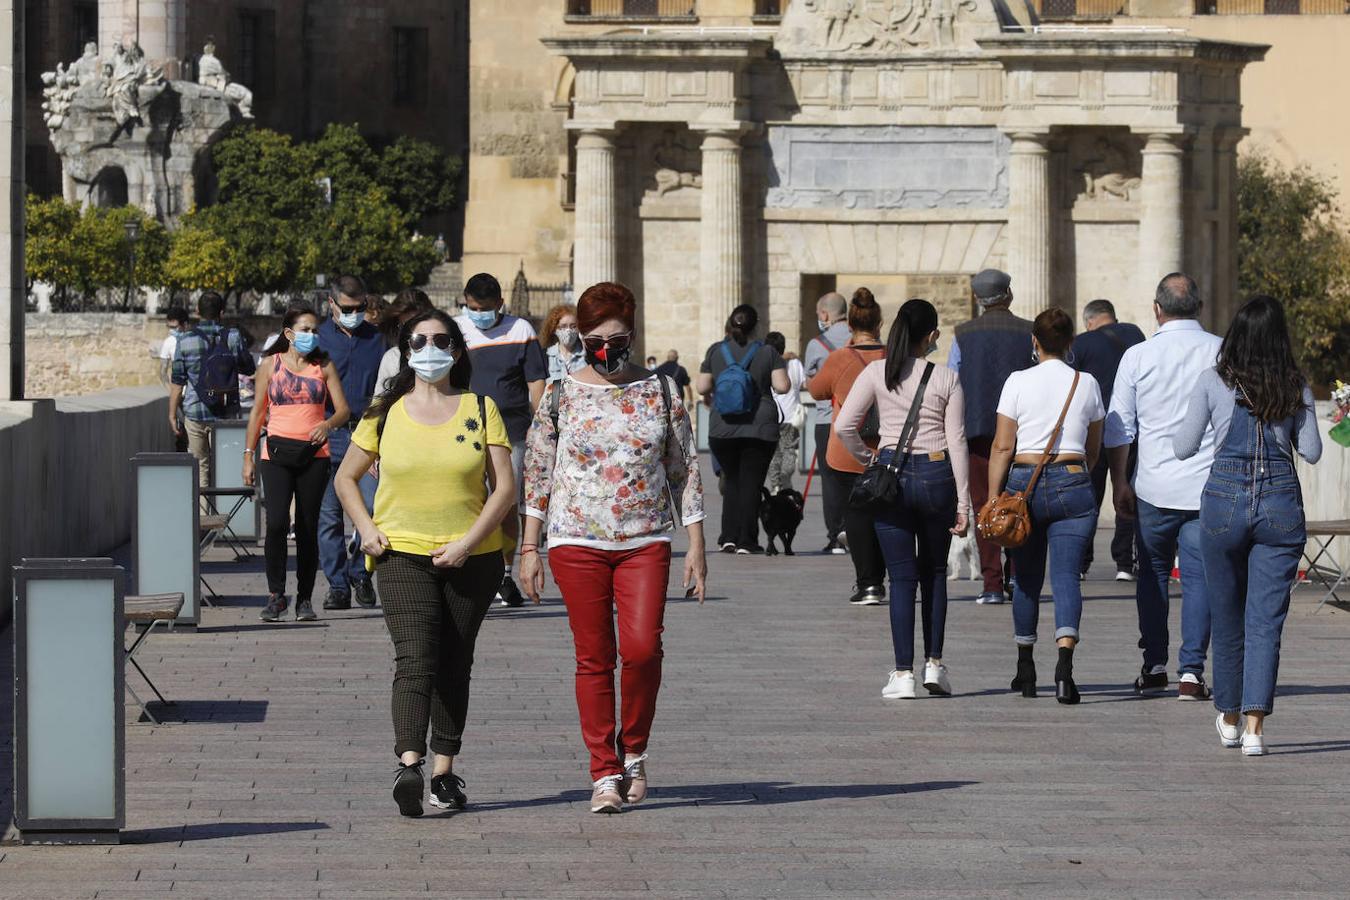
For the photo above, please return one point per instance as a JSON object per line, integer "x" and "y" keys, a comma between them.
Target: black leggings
{"x": 433, "y": 616}
{"x": 745, "y": 465}
{"x": 306, "y": 484}
{"x": 869, "y": 566}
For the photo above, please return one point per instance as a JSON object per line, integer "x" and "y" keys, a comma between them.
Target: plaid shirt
{"x": 187, "y": 364}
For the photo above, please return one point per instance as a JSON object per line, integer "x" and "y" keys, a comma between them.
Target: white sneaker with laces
{"x": 1229, "y": 735}
{"x": 935, "y": 679}
{"x": 606, "y": 797}
{"x": 1122, "y": 575}
{"x": 1253, "y": 744}
{"x": 900, "y": 686}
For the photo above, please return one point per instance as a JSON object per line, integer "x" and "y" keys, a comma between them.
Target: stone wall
{"x": 83, "y": 353}
{"x": 66, "y": 467}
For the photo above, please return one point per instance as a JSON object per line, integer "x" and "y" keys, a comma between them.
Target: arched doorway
{"x": 109, "y": 188}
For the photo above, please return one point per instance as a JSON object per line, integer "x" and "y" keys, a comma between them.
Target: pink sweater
{"x": 941, "y": 424}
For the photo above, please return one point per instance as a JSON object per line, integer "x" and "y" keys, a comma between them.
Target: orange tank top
{"x": 295, "y": 403}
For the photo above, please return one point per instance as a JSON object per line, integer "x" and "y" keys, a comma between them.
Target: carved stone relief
{"x": 1106, "y": 169}
{"x": 677, "y": 162}
{"x": 882, "y": 26}
{"x": 887, "y": 167}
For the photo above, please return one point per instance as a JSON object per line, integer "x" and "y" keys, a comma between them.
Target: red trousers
{"x": 593, "y": 583}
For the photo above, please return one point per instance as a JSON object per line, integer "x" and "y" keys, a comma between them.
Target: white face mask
{"x": 431, "y": 363}
{"x": 567, "y": 336}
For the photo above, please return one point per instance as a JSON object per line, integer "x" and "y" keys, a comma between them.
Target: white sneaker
{"x": 935, "y": 679}
{"x": 1229, "y": 735}
{"x": 1122, "y": 575}
{"x": 1253, "y": 744}
{"x": 606, "y": 797}
{"x": 899, "y": 687}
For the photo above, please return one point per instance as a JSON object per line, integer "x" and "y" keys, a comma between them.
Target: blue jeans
{"x": 1251, "y": 552}
{"x": 914, "y": 539}
{"x": 1063, "y": 518}
{"x": 341, "y": 567}
{"x": 1161, "y": 534}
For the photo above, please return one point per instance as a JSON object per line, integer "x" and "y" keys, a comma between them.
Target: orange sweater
{"x": 833, "y": 382}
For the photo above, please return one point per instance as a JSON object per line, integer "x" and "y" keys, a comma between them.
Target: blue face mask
{"x": 482, "y": 319}
{"x": 305, "y": 342}
{"x": 431, "y": 363}
{"x": 350, "y": 320}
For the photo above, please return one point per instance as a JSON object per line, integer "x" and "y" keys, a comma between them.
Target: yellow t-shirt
{"x": 432, "y": 476}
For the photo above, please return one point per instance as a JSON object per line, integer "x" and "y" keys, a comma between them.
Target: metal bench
{"x": 1333, "y": 574}
{"x": 145, "y": 612}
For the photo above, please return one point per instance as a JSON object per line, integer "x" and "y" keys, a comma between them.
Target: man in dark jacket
{"x": 986, "y": 350}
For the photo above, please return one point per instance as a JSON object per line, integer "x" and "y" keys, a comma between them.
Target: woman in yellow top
{"x": 435, "y": 540}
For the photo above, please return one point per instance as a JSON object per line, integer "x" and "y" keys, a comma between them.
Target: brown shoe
{"x": 606, "y": 798}
{"x": 1192, "y": 687}
{"x": 634, "y": 784}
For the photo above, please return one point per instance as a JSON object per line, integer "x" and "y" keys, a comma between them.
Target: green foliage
{"x": 200, "y": 259}
{"x": 367, "y": 235}
{"x": 51, "y": 255}
{"x": 85, "y": 250}
{"x": 1291, "y": 245}
{"x": 421, "y": 177}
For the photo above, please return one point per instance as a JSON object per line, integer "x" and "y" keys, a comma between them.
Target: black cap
{"x": 991, "y": 283}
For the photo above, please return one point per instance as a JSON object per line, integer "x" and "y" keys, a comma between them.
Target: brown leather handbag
{"x": 1006, "y": 519}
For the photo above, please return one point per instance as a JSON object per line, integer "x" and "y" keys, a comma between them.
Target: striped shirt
{"x": 506, "y": 358}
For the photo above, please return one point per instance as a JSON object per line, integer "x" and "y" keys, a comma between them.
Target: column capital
{"x": 595, "y": 128}
{"x": 1028, "y": 141}
{"x": 1161, "y": 141}
{"x": 730, "y": 131}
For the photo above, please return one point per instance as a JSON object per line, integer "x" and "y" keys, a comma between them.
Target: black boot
{"x": 1026, "y": 671}
{"x": 1065, "y": 690}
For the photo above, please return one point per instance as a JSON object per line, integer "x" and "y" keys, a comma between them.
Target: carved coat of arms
{"x": 875, "y": 25}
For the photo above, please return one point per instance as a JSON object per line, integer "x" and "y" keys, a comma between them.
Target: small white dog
{"x": 963, "y": 551}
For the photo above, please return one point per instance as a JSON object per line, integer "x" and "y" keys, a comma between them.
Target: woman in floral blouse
{"x": 608, "y": 459}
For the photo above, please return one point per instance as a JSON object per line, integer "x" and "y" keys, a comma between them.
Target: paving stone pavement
{"x": 778, "y": 771}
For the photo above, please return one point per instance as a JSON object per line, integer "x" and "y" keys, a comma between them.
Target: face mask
{"x": 567, "y": 337}
{"x": 932, "y": 348}
{"x": 607, "y": 361}
{"x": 823, "y": 326}
{"x": 482, "y": 319}
{"x": 350, "y": 320}
{"x": 305, "y": 342}
{"x": 431, "y": 363}
{"x": 175, "y": 332}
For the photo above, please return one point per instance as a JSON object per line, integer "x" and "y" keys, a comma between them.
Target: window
{"x": 631, "y": 9}
{"x": 255, "y": 66}
{"x": 410, "y": 66}
{"x": 769, "y": 8}
{"x": 83, "y": 27}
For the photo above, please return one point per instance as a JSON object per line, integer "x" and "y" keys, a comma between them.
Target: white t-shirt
{"x": 389, "y": 366}
{"x": 1034, "y": 398}
{"x": 167, "y": 348}
{"x": 788, "y": 403}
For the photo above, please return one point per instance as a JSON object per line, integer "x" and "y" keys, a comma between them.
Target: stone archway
{"x": 109, "y": 188}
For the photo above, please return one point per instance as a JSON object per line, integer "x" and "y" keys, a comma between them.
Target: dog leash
{"x": 809, "y": 474}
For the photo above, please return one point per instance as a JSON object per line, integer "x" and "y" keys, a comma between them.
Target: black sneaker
{"x": 408, "y": 785}
{"x": 364, "y": 594}
{"x": 831, "y": 546}
{"x": 872, "y": 595}
{"x": 1151, "y": 682}
{"x": 510, "y": 594}
{"x": 337, "y": 600}
{"x": 447, "y": 791}
{"x": 304, "y": 611}
{"x": 275, "y": 608}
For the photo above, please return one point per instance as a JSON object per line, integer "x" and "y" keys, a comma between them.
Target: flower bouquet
{"x": 1340, "y": 416}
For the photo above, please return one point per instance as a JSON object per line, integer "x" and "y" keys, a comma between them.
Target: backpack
{"x": 734, "y": 390}
{"x": 870, "y": 427}
{"x": 217, "y": 383}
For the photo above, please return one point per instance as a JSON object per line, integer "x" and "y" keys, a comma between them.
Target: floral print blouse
{"x": 606, "y": 478}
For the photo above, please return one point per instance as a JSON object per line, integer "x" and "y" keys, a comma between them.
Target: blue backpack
{"x": 734, "y": 390}
{"x": 217, "y": 382}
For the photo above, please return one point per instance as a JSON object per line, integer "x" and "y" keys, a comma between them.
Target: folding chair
{"x": 1333, "y": 575}
{"x": 241, "y": 496}
{"x": 209, "y": 530}
{"x": 148, "y": 611}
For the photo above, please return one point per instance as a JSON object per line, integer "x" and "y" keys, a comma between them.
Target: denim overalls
{"x": 1251, "y": 540}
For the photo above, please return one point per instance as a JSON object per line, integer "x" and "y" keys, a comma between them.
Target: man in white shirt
{"x": 177, "y": 320}
{"x": 1152, "y": 390}
{"x": 784, "y": 462}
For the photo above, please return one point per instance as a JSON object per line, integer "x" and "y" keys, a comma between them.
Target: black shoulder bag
{"x": 877, "y": 489}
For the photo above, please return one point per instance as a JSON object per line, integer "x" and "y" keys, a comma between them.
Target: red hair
{"x": 604, "y": 301}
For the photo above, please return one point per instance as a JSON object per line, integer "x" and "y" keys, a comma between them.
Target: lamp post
{"x": 133, "y": 227}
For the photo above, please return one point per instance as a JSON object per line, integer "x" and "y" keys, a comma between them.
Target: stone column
{"x": 13, "y": 288}
{"x": 1029, "y": 223}
{"x": 721, "y": 231}
{"x": 1161, "y": 213}
{"x": 1225, "y": 296}
{"x": 595, "y": 256}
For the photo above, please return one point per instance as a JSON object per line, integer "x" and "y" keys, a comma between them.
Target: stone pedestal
{"x": 1161, "y": 213}
{"x": 596, "y": 254}
{"x": 721, "y": 230}
{"x": 1029, "y": 223}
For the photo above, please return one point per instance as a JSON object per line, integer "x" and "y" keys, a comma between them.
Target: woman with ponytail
{"x": 1260, "y": 410}
{"x": 832, "y": 384}
{"x": 738, "y": 379}
{"x": 934, "y": 472}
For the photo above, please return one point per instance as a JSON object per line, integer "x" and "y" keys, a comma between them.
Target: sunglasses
{"x": 617, "y": 343}
{"x": 442, "y": 341}
{"x": 350, "y": 309}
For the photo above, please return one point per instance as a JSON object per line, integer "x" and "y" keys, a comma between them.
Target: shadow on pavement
{"x": 215, "y": 831}
{"x": 1310, "y": 747}
{"x": 752, "y": 793}
{"x": 242, "y": 712}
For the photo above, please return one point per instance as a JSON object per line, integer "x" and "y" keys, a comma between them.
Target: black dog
{"x": 781, "y": 513}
